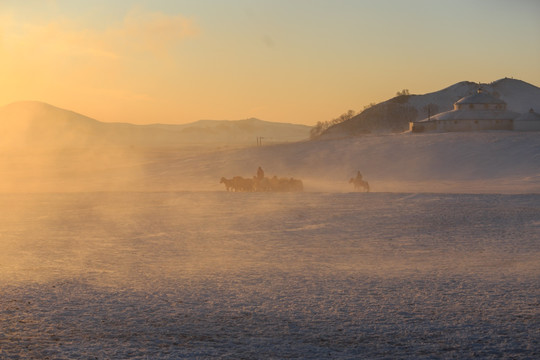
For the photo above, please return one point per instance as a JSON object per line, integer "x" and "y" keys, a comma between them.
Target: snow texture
{"x": 252, "y": 275}
{"x": 139, "y": 252}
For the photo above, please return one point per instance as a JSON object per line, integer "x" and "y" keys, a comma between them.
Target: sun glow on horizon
{"x": 301, "y": 62}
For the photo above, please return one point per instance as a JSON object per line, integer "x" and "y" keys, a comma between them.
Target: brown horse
{"x": 359, "y": 184}
{"x": 229, "y": 184}
{"x": 274, "y": 184}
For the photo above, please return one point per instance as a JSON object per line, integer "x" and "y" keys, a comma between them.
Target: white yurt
{"x": 480, "y": 111}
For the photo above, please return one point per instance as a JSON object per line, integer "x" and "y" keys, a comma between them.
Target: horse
{"x": 261, "y": 185}
{"x": 285, "y": 184}
{"x": 274, "y": 184}
{"x": 242, "y": 184}
{"x": 359, "y": 184}
{"x": 229, "y": 183}
{"x": 296, "y": 185}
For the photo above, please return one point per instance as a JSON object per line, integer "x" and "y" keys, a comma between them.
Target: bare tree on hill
{"x": 323, "y": 125}
{"x": 403, "y": 92}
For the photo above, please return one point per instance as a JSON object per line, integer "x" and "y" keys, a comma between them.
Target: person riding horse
{"x": 260, "y": 173}
{"x": 359, "y": 182}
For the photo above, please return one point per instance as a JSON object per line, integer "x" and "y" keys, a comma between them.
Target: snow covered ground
{"x": 257, "y": 275}
{"x": 485, "y": 162}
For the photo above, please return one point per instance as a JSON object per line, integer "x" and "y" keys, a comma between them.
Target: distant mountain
{"x": 237, "y": 131}
{"x": 37, "y": 124}
{"x": 394, "y": 115}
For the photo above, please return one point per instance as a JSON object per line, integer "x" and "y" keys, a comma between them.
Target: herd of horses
{"x": 275, "y": 184}
{"x": 263, "y": 184}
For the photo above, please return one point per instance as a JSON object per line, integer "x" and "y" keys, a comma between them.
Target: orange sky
{"x": 300, "y": 62}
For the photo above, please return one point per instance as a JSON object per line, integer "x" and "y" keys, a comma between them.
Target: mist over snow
{"x": 269, "y": 275}
{"x": 39, "y": 125}
{"x": 118, "y": 241}
{"x": 486, "y": 162}
{"x": 499, "y": 162}
{"x": 44, "y": 148}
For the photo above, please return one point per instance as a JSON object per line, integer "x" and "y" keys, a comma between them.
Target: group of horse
{"x": 264, "y": 184}
{"x": 275, "y": 184}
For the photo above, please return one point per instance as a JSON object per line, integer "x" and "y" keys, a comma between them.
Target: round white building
{"x": 480, "y": 111}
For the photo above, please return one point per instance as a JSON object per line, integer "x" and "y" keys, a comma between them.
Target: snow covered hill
{"x": 496, "y": 162}
{"x": 395, "y": 114}
{"x": 36, "y": 124}
{"x": 486, "y": 162}
{"x": 110, "y": 157}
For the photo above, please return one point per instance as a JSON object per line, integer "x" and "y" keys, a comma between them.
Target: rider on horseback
{"x": 359, "y": 182}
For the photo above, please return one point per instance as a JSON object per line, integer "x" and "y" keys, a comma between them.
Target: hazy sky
{"x": 300, "y": 61}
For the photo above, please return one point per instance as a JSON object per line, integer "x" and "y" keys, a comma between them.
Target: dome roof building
{"x": 480, "y": 111}
{"x": 480, "y": 98}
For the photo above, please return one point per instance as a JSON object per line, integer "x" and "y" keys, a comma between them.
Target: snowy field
{"x": 254, "y": 275}
{"x": 503, "y": 162}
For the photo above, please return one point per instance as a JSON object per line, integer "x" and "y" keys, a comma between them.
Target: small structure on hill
{"x": 480, "y": 111}
{"x": 529, "y": 121}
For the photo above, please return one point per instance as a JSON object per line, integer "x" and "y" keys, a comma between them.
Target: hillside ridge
{"x": 39, "y": 124}
{"x": 393, "y": 115}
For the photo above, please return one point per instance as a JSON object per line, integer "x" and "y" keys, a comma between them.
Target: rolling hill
{"x": 44, "y": 148}
{"x": 394, "y": 115}
{"x": 40, "y": 125}
{"x": 484, "y": 162}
